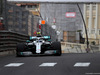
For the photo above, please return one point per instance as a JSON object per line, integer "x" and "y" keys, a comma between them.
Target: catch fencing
{"x": 47, "y": 30}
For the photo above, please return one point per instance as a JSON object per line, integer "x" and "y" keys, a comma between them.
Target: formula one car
{"x": 38, "y": 45}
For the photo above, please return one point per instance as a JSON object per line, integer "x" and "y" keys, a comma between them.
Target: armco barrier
{"x": 8, "y": 40}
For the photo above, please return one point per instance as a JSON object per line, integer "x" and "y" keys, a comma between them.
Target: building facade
{"x": 17, "y": 19}
{"x": 33, "y": 17}
{"x": 31, "y": 7}
{"x": 92, "y": 17}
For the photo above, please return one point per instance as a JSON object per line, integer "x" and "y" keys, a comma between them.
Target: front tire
{"x": 57, "y": 46}
{"x": 20, "y": 48}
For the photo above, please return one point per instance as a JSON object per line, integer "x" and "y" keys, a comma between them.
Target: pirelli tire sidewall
{"x": 20, "y": 48}
{"x": 57, "y": 46}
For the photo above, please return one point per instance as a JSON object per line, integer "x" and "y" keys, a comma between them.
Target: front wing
{"x": 29, "y": 53}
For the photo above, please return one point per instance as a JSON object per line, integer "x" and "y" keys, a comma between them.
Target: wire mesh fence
{"x": 47, "y": 30}
{"x": 1, "y": 7}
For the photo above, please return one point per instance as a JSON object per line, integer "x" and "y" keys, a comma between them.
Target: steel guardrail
{"x": 9, "y": 40}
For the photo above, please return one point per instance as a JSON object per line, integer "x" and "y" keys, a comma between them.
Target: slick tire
{"x": 57, "y": 46}
{"x": 20, "y": 48}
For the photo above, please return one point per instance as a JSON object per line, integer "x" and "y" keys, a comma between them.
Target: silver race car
{"x": 38, "y": 45}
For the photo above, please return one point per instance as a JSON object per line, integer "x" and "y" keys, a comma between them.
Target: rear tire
{"x": 20, "y": 48}
{"x": 57, "y": 46}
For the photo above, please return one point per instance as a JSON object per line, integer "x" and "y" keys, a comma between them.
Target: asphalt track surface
{"x": 67, "y": 64}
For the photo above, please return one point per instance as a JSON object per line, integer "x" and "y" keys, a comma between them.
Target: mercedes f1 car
{"x": 38, "y": 45}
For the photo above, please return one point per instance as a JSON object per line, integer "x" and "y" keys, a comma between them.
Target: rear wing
{"x": 41, "y": 37}
{"x": 47, "y": 37}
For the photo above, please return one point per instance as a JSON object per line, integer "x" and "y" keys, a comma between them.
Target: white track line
{"x": 14, "y": 65}
{"x": 82, "y": 64}
{"x": 47, "y": 65}
{"x": 92, "y": 73}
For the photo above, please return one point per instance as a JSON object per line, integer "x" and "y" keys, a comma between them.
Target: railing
{"x": 8, "y": 40}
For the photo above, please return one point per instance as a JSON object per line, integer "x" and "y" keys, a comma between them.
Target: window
{"x": 87, "y": 8}
{"x": 23, "y": 30}
{"x": 10, "y": 22}
{"x": 23, "y": 6}
{"x": 93, "y": 23}
{"x": 99, "y": 32}
{"x": 87, "y": 22}
{"x": 94, "y": 7}
{"x": 93, "y": 31}
{"x": 94, "y": 4}
{"x": 24, "y": 22}
{"x": 87, "y": 4}
{"x": 29, "y": 6}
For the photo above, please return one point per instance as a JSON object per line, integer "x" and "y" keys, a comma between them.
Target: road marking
{"x": 47, "y": 64}
{"x": 93, "y": 73}
{"x": 14, "y": 64}
{"x": 84, "y": 64}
